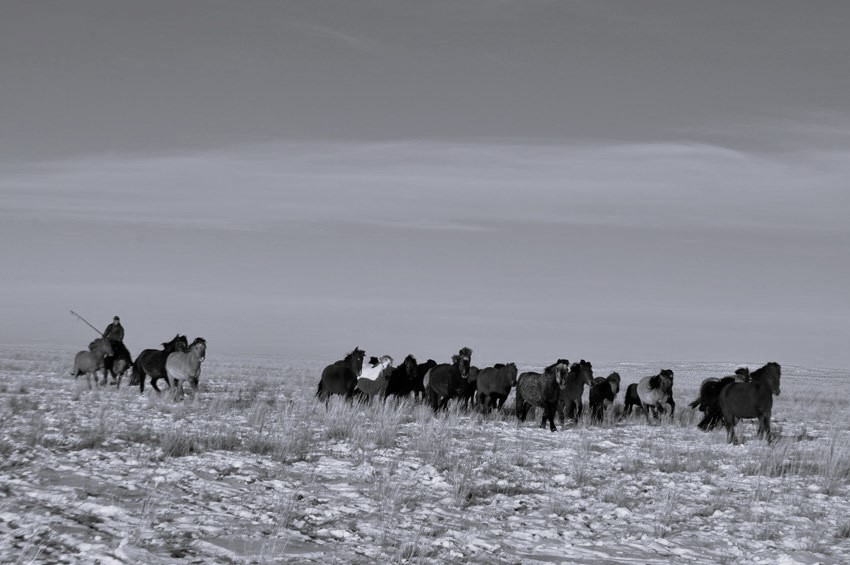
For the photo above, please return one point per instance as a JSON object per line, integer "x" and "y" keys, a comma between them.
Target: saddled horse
{"x": 185, "y": 366}
{"x": 494, "y": 385}
{"x": 374, "y": 377}
{"x": 652, "y": 393}
{"x": 569, "y": 401}
{"x": 402, "y": 380}
{"x": 708, "y": 400}
{"x": 90, "y": 361}
{"x": 448, "y": 380}
{"x": 340, "y": 377}
{"x": 752, "y": 399}
{"x": 118, "y": 363}
{"x": 602, "y": 394}
{"x": 151, "y": 362}
{"x": 419, "y": 382}
{"x": 543, "y": 390}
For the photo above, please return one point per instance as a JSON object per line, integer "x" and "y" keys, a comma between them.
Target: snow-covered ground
{"x": 254, "y": 470}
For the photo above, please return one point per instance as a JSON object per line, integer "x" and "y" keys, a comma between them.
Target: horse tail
{"x": 320, "y": 389}
{"x": 696, "y": 402}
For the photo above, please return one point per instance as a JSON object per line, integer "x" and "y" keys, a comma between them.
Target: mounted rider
{"x": 114, "y": 331}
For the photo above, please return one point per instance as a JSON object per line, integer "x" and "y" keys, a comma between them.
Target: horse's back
{"x": 493, "y": 379}
{"x": 537, "y": 389}
{"x": 441, "y": 379}
{"x": 649, "y": 395}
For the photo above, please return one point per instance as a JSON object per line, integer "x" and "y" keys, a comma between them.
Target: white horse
{"x": 656, "y": 391}
{"x": 375, "y": 376}
{"x": 186, "y": 365}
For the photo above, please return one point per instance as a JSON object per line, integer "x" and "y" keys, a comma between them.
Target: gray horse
{"x": 182, "y": 366}
{"x": 656, "y": 391}
{"x": 534, "y": 389}
{"x": 89, "y": 362}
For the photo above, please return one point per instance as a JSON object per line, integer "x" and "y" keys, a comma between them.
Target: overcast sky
{"x": 619, "y": 181}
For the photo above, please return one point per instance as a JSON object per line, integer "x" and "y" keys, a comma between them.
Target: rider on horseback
{"x": 114, "y": 331}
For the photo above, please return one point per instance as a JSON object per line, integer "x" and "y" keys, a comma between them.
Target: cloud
{"x": 444, "y": 186}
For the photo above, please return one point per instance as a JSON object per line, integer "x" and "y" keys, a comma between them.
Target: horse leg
{"x": 672, "y": 404}
{"x": 646, "y": 409}
{"x": 141, "y": 376}
{"x": 433, "y": 400}
{"x": 764, "y": 426}
{"x": 549, "y": 412}
{"x": 731, "y": 437}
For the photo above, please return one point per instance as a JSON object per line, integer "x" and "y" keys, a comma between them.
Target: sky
{"x": 619, "y": 181}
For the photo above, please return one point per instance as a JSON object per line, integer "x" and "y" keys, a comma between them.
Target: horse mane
{"x": 615, "y": 376}
{"x": 373, "y": 360}
{"x": 465, "y": 352}
{"x": 354, "y": 352}
{"x": 551, "y": 368}
{"x": 499, "y": 366}
{"x": 655, "y": 382}
{"x": 666, "y": 373}
{"x": 758, "y": 373}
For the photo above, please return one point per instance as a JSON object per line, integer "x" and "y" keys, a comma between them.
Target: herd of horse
{"x": 178, "y": 362}
{"x": 557, "y": 390}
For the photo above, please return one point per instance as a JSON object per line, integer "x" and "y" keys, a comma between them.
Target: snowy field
{"x": 253, "y": 470}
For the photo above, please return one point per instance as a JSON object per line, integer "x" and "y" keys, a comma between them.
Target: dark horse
{"x": 494, "y": 385}
{"x": 708, "y": 400}
{"x": 534, "y": 389}
{"x": 448, "y": 380}
{"x": 467, "y": 397}
{"x": 602, "y": 394}
{"x": 750, "y": 400}
{"x": 341, "y": 376}
{"x": 569, "y": 401}
{"x": 419, "y": 381}
{"x": 402, "y": 380}
{"x": 152, "y": 362}
{"x": 118, "y": 363}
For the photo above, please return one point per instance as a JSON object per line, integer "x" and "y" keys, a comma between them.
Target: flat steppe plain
{"x": 252, "y": 469}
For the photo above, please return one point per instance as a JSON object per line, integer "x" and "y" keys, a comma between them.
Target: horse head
{"x": 584, "y": 370}
{"x": 199, "y": 345}
{"x": 614, "y": 382}
{"x": 769, "y": 374}
{"x": 355, "y": 358}
{"x": 666, "y": 380}
{"x": 512, "y": 373}
{"x": 409, "y": 365}
{"x": 101, "y": 347}
{"x": 463, "y": 360}
{"x": 560, "y": 370}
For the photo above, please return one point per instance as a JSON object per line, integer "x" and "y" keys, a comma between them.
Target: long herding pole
{"x": 100, "y": 333}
